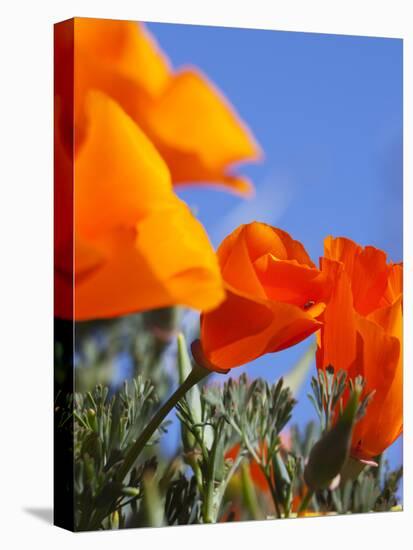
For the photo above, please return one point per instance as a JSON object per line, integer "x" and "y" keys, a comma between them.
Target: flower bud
{"x": 91, "y": 416}
{"x": 130, "y": 491}
{"x": 330, "y": 453}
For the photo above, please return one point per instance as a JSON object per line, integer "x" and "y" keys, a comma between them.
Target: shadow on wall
{"x": 44, "y": 514}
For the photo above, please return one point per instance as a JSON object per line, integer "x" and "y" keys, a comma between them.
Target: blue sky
{"x": 327, "y": 111}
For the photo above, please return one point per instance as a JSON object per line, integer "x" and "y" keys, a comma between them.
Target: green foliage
{"x": 251, "y": 414}
{"x": 183, "y": 505}
{"x": 328, "y": 390}
{"x": 142, "y": 337}
{"x": 227, "y": 428}
{"x": 370, "y": 491}
{"x": 256, "y": 410}
{"x": 105, "y": 428}
{"x": 360, "y": 488}
{"x": 330, "y": 453}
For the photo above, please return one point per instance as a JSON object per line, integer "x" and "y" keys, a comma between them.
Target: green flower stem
{"x": 152, "y": 503}
{"x": 208, "y": 505}
{"x": 280, "y": 478}
{"x": 305, "y": 502}
{"x": 268, "y": 477}
{"x": 248, "y": 492}
{"x": 195, "y": 376}
{"x": 208, "y": 511}
{"x": 229, "y": 475}
{"x": 214, "y": 493}
{"x": 288, "y": 501}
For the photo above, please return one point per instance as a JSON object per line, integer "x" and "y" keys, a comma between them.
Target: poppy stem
{"x": 273, "y": 494}
{"x": 195, "y": 376}
{"x": 305, "y": 502}
{"x": 248, "y": 492}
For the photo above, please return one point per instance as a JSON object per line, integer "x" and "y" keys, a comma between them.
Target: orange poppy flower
{"x": 275, "y": 296}
{"x": 136, "y": 245}
{"x": 194, "y": 128}
{"x": 256, "y": 473}
{"x": 362, "y": 334}
{"x": 255, "y": 470}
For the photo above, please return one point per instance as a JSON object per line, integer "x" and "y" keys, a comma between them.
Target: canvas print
{"x": 228, "y": 274}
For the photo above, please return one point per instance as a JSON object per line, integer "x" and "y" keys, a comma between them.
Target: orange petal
{"x": 370, "y": 277}
{"x": 255, "y": 471}
{"x": 124, "y": 283}
{"x": 146, "y": 269}
{"x": 119, "y": 175}
{"x": 197, "y": 132}
{"x": 194, "y": 128}
{"x": 236, "y": 332}
{"x": 124, "y": 48}
{"x": 291, "y": 326}
{"x": 138, "y": 246}
{"x": 226, "y": 246}
{"x": 390, "y": 318}
{"x": 63, "y": 206}
{"x": 74, "y": 266}
{"x": 263, "y": 239}
{"x": 120, "y": 59}
{"x": 382, "y": 423}
{"x": 394, "y": 284}
{"x": 366, "y": 268}
{"x": 291, "y": 282}
{"x": 366, "y": 342}
{"x": 258, "y": 477}
{"x": 243, "y": 254}
{"x": 243, "y": 328}
{"x": 294, "y": 250}
{"x": 238, "y": 270}
{"x": 87, "y": 258}
{"x": 342, "y": 250}
{"x": 338, "y": 337}
{"x": 63, "y": 198}
{"x": 177, "y": 250}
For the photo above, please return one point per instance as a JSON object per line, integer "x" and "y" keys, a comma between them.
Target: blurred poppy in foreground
{"x": 126, "y": 128}
{"x": 193, "y": 127}
{"x": 256, "y": 474}
{"x": 275, "y": 296}
{"x": 136, "y": 245}
{"x": 362, "y": 335}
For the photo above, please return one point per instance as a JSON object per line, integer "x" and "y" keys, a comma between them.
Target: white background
{"x": 26, "y": 270}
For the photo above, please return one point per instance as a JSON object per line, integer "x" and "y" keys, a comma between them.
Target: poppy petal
{"x": 197, "y": 131}
{"x": 289, "y": 281}
{"x": 382, "y": 422}
{"x": 119, "y": 175}
{"x": 243, "y": 328}
{"x": 338, "y": 334}
{"x": 366, "y": 268}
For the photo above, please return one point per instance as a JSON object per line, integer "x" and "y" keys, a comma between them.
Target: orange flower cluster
{"x": 362, "y": 335}
{"x": 276, "y": 297}
{"x": 134, "y": 127}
